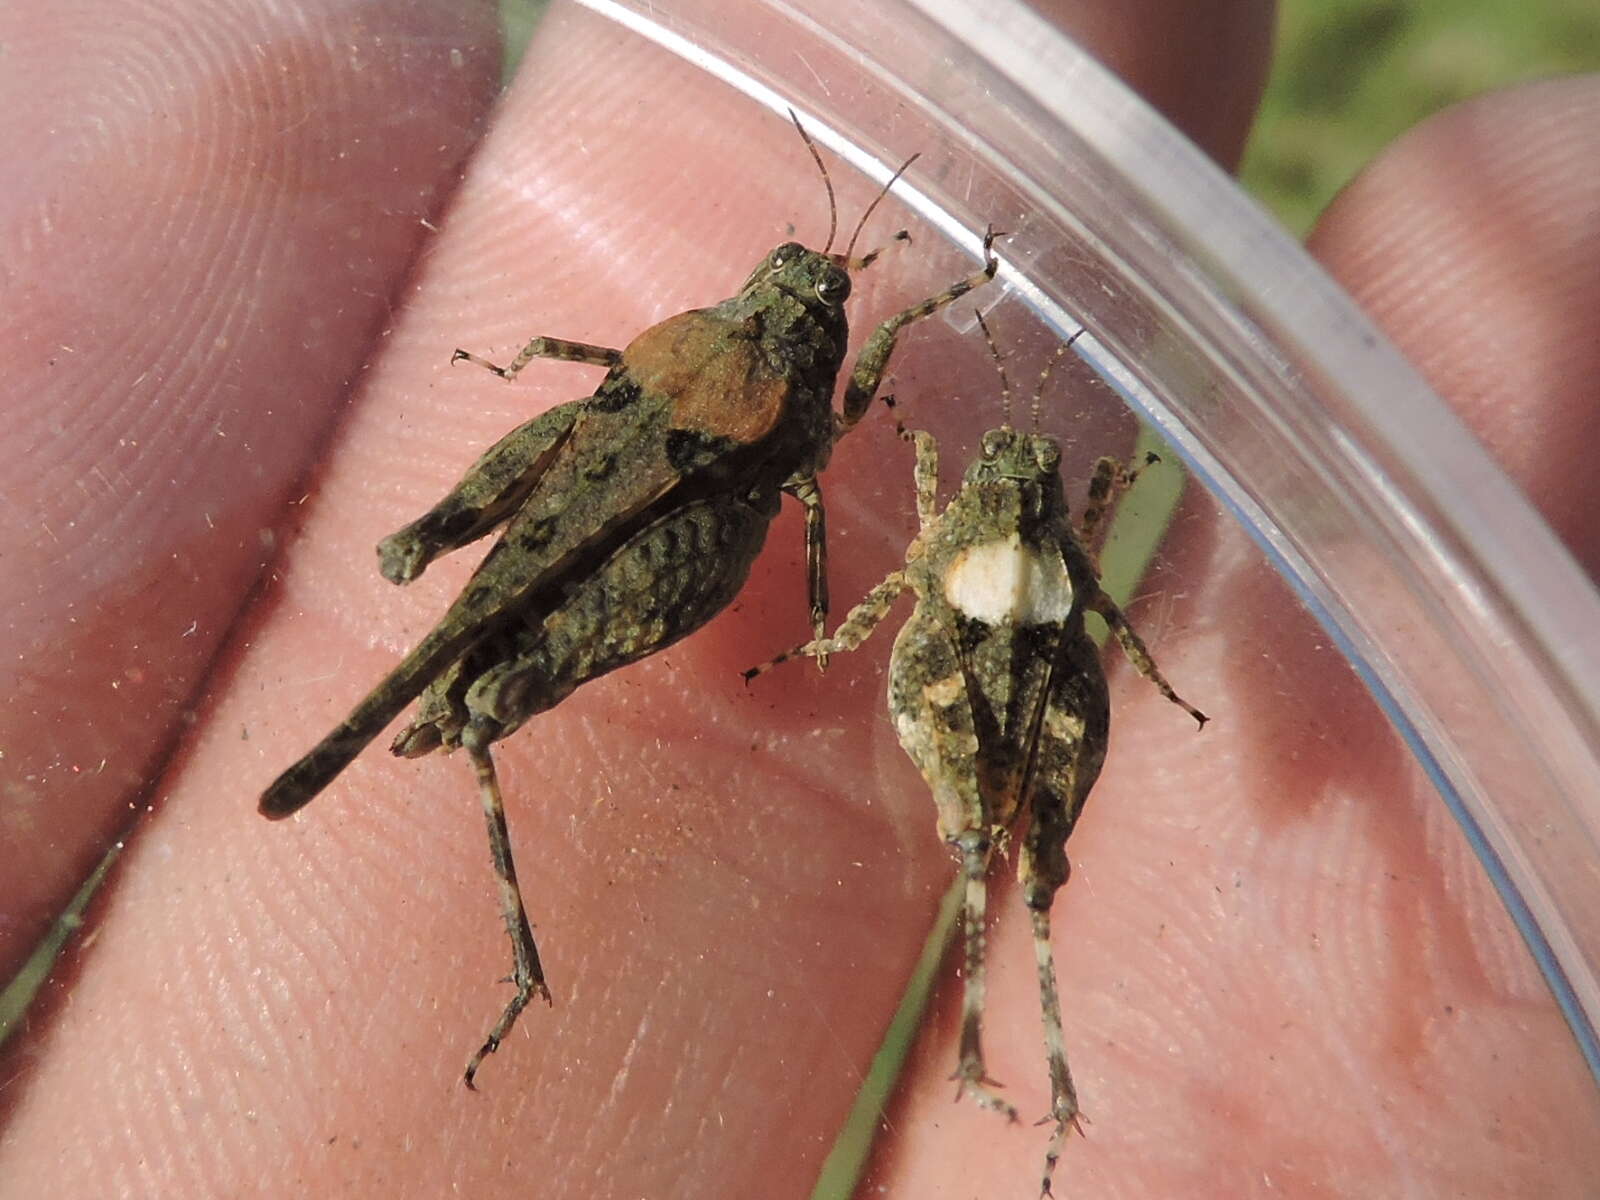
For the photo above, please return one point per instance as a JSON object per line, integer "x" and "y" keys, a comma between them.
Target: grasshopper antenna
{"x": 862, "y": 224}
{"x": 1037, "y": 406}
{"x": 999, "y": 365}
{"x": 833, "y": 207}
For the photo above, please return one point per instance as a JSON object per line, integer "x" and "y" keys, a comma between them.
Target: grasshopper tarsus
{"x": 468, "y": 1077}
{"x": 1058, "y": 1140}
{"x": 872, "y": 256}
{"x": 476, "y": 360}
{"x": 979, "y": 1087}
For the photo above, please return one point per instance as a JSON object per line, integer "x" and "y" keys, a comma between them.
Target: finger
{"x": 1495, "y": 200}
{"x": 199, "y": 246}
{"x": 1204, "y": 66}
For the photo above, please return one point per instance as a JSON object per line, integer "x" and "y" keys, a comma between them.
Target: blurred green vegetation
{"x": 1352, "y": 75}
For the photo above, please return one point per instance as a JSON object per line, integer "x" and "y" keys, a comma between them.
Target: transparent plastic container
{"x": 1460, "y": 611}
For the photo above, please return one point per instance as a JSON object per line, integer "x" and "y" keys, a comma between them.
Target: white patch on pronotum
{"x": 1004, "y": 582}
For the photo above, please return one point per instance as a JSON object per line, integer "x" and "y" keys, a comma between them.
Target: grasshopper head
{"x": 1005, "y": 454}
{"x": 1027, "y": 462}
{"x": 813, "y": 278}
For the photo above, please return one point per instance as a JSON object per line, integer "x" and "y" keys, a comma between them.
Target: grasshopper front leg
{"x": 874, "y": 606}
{"x": 856, "y": 628}
{"x": 809, "y": 493}
{"x": 925, "y": 477}
{"x": 546, "y": 347}
{"x": 1110, "y": 480}
{"x": 874, "y": 357}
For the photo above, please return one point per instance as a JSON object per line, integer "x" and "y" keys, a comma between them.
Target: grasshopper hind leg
{"x": 1066, "y": 761}
{"x": 1045, "y": 869}
{"x": 1063, "y": 1095}
{"x": 527, "y": 972}
{"x": 970, "y": 1075}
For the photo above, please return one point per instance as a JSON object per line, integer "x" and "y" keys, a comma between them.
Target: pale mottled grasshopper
{"x": 998, "y": 693}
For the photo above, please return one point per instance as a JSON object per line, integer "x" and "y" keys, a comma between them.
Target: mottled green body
{"x": 999, "y": 696}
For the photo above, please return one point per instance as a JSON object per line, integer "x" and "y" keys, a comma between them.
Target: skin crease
{"x": 1281, "y": 972}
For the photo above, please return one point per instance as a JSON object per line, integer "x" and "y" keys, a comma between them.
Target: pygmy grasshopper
{"x": 632, "y": 518}
{"x": 998, "y": 693}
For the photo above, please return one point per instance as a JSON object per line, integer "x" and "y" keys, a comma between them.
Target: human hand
{"x": 727, "y": 919}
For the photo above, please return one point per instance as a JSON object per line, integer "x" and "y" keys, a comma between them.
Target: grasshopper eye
{"x": 784, "y": 255}
{"x": 833, "y": 287}
{"x": 1048, "y": 455}
{"x": 993, "y": 442}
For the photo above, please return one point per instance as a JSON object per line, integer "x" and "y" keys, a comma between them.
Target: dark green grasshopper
{"x": 998, "y": 693}
{"x": 631, "y": 519}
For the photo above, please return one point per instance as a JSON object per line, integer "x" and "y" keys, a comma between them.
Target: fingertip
{"x": 1204, "y": 66}
{"x": 1474, "y": 241}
